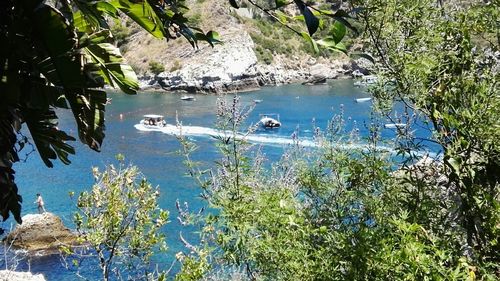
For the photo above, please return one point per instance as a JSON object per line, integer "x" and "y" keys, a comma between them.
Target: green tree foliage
{"x": 60, "y": 56}
{"x": 121, "y": 221}
{"x": 120, "y": 32}
{"x": 441, "y": 59}
{"x": 315, "y": 15}
{"x": 329, "y": 213}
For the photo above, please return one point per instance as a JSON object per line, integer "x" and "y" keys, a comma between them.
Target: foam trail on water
{"x": 209, "y": 132}
{"x": 255, "y": 138}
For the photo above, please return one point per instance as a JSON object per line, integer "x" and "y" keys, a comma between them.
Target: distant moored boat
{"x": 363, "y": 100}
{"x": 366, "y": 80}
{"x": 394, "y": 125}
{"x": 187, "y": 98}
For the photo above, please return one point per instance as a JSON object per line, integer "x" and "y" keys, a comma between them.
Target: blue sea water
{"x": 155, "y": 153}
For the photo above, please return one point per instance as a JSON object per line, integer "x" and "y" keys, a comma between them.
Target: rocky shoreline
{"x": 38, "y": 235}
{"x": 41, "y": 234}
{"x": 8, "y": 275}
{"x": 233, "y": 67}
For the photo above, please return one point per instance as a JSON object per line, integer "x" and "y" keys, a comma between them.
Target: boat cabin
{"x": 269, "y": 122}
{"x": 153, "y": 120}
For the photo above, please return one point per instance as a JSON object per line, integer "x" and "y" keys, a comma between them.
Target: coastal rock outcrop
{"x": 359, "y": 67}
{"x": 233, "y": 66}
{"x": 7, "y": 275}
{"x": 226, "y": 68}
{"x": 249, "y": 57}
{"x": 41, "y": 234}
{"x": 319, "y": 72}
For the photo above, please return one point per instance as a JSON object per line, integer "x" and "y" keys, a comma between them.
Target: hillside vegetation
{"x": 274, "y": 44}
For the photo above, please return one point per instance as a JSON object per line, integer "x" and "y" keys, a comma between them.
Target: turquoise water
{"x": 155, "y": 153}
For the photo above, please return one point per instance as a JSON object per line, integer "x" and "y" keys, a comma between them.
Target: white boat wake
{"x": 255, "y": 138}
{"x": 209, "y": 132}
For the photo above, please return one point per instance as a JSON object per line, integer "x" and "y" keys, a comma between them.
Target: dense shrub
{"x": 120, "y": 220}
{"x": 156, "y": 67}
{"x": 120, "y": 33}
{"x": 323, "y": 214}
{"x": 263, "y": 55}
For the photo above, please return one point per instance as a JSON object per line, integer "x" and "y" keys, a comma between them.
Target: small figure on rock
{"x": 40, "y": 203}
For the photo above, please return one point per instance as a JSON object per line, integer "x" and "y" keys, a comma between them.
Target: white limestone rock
{"x": 8, "y": 275}
{"x": 224, "y": 68}
{"x": 41, "y": 234}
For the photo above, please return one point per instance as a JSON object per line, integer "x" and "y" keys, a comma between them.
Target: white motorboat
{"x": 394, "y": 125}
{"x": 153, "y": 120}
{"x": 359, "y": 100}
{"x": 257, "y": 101}
{"x": 269, "y": 122}
{"x": 190, "y": 98}
{"x": 366, "y": 80}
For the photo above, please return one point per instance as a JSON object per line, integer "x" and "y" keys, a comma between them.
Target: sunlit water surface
{"x": 155, "y": 152}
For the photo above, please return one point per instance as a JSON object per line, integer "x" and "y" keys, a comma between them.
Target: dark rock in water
{"x": 360, "y": 67}
{"x": 315, "y": 81}
{"x": 41, "y": 234}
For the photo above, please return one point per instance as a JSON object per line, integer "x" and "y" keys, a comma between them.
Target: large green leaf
{"x": 107, "y": 8}
{"x": 52, "y": 29}
{"x": 341, "y": 16}
{"x": 311, "y": 41}
{"x": 87, "y": 39}
{"x": 38, "y": 95}
{"x": 142, "y": 13}
{"x": 338, "y": 31}
{"x": 90, "y": 16}
{"x": 9, "y": 198}
{"x": 330, "y": 43}
{"x": 85, "y": 22}
{"x": 56, "y": 41}
{"x": 49, "y": 140}
{"x": 88, "y": 108}
{"x": 111, "y": 66}
{"x": 340, "y": 47}
{"x": 312, "y": 22}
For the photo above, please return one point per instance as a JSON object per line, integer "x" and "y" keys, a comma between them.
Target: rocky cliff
{"x": 228, "y": 67}
{"x": 233, "y": 65}
{"x": 41, "y": 234}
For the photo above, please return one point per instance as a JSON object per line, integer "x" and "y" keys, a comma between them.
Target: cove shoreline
{"x": 148, "y": 85}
